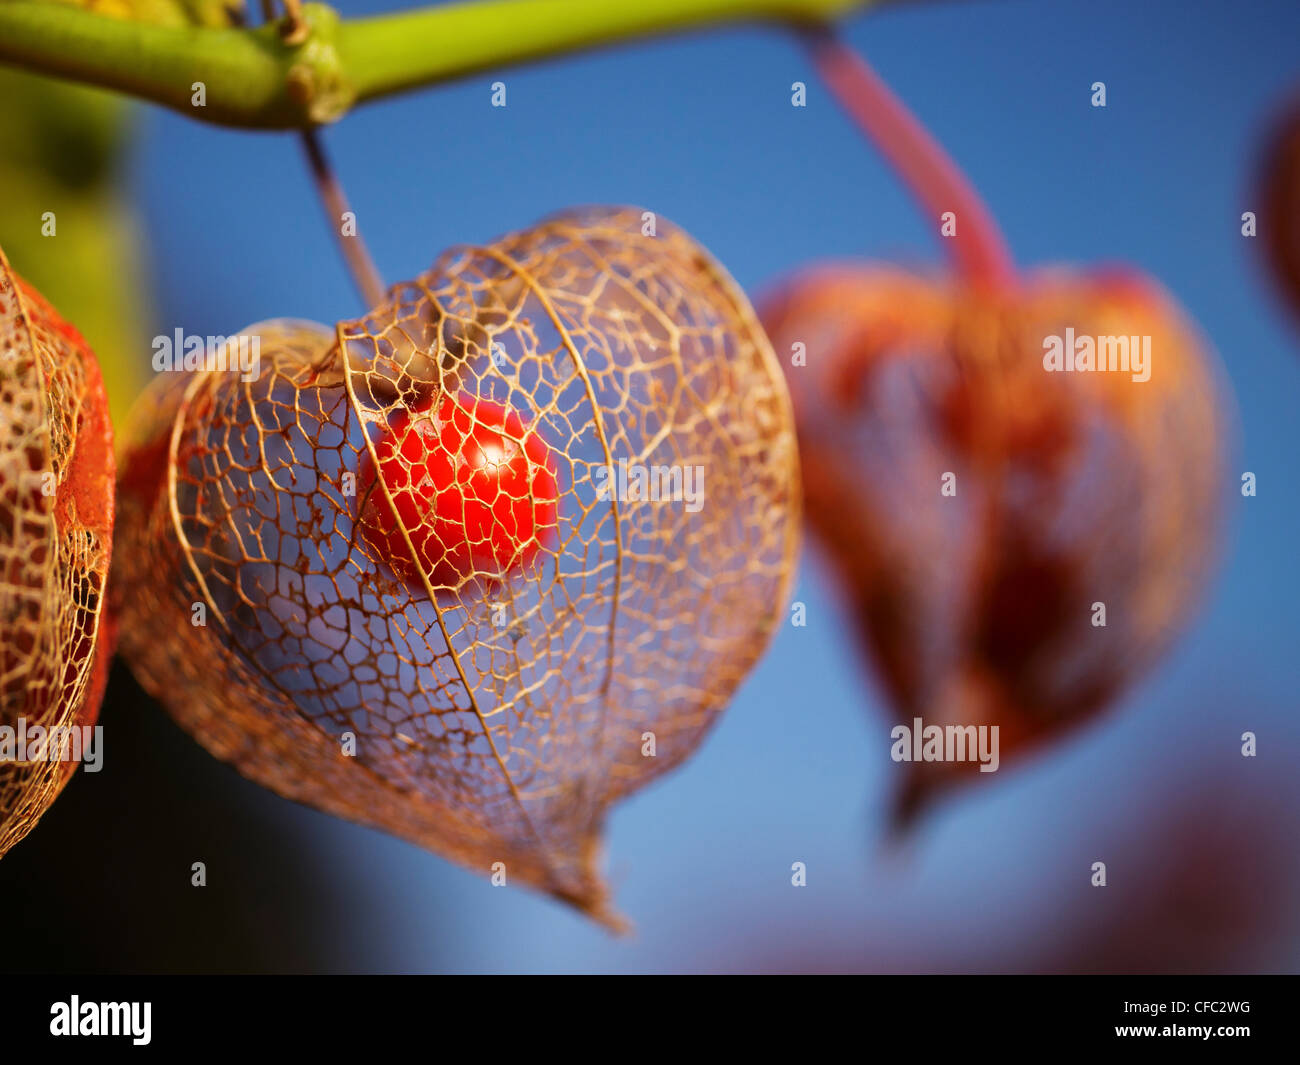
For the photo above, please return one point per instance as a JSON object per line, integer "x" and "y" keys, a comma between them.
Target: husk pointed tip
{"x": 597, "y": 905}
{"x": 908, "y": 805}
{"x": 587, "y": 890}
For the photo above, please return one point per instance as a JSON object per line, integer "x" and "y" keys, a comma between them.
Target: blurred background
{"x": 164, "y": 223}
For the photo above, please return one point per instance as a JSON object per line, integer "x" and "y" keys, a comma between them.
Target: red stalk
{"x": 980, "y": 253}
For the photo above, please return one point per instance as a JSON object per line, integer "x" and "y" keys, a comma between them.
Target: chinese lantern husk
{"x": 1072, "y": 488}
{"x": 484, "y": 743}
{"x": 56, "y": 498}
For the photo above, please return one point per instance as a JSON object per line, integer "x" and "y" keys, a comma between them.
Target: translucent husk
{"x": 56, "y": 526}
{"x": 495, "y": 721}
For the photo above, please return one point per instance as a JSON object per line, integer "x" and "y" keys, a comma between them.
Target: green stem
{"x": 465, "y": 38}
{"x": 252, "y": 78}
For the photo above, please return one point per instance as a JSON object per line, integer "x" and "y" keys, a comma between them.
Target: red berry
{"x": 473, "y": 485}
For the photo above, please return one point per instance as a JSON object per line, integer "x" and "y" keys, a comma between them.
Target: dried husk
{"x": 56, "y": 529}
{"x": 1071, "y": 488}
{"x": 494, "y": 721}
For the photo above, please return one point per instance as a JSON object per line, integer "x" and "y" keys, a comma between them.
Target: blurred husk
{"x": 1071, "y": 489}
{"x": 1279, "y": 216}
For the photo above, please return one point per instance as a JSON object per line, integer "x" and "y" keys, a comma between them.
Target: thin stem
{"x": 360, "y": 265}
{"x": 253, "y": 78}
{"x": 979, "y": 250}
{"x": 356, "y": 255}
